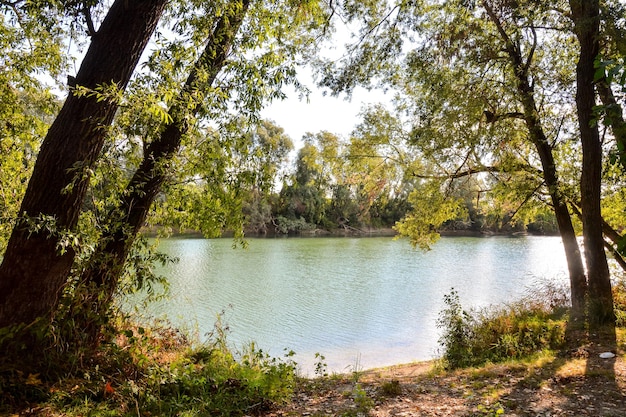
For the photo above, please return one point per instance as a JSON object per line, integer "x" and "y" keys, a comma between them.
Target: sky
{"x": 334, "y": 114}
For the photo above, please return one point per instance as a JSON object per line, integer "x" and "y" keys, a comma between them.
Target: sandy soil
{"x": 579, "y": 383}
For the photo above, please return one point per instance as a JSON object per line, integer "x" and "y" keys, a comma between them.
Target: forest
{"x": 119, "y": 119}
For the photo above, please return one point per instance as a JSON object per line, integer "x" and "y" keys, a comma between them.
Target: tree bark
{"x": 578, "y": 283}
{"x": 586, "y": 17}
{"x": 106, "y": 265}
{"x": 34, "y": 272}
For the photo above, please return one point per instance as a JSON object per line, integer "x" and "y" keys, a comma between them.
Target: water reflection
{"x": 375, "y": 298}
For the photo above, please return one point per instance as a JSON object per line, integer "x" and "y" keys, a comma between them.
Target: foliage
{"x": 495, "y": 335}
{"x": 157, "y": 370}
{"x": 619, "y": 300}
{"x": 391, "y": 388}
{"x": 431, "y": 209}
{"x": 31, "y": 43}
{"x": 285, "y": 225}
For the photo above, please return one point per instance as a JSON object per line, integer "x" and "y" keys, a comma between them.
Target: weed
{"x": 391, "y": 388}
{"x": 490, "y": 410}
{"x": 363, "y": 402}
{"x": 357, "y": 369}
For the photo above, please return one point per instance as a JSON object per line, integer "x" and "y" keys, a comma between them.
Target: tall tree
{"x": 233, "y": 29}
{"x": 521, "y": 66}
{"x": 34, "y": 270}
{"x": 106, "y": 265}
{"x": 586, "y": 17}
{"x": 482, "y": 75}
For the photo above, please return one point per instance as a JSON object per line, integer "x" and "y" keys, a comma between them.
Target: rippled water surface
{"x": 358, "y": 301}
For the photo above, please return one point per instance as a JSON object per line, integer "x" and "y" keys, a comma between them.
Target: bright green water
{"x": 371, "y": 300}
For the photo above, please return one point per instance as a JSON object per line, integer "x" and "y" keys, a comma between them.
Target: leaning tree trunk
{"x": 586, "y": 17}
{"x": 578, "y": 283}
{"x": 106, "y": 264}
{"x": 34, "y": 271}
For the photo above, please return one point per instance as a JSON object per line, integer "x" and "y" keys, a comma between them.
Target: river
{"x": 360, "y": 302}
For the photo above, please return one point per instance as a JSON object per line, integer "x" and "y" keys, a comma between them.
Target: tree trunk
{"x": 613, "y": 118}
{"x": 586, "y": 17}
{"x": 33, "y": 271}
{"x": 578, "y": 283}
{"x": 106, "y": 265}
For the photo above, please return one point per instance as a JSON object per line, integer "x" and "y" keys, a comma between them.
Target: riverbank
{"x": 347, "y": 232}
{"x": 160, "y": 376}
{"x": 574, "y": 383}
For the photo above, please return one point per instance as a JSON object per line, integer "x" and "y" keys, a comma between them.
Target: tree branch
{"x": 91, "y": 30}
{"x": 492, "y": 117}
{"x": 531, "y": 54}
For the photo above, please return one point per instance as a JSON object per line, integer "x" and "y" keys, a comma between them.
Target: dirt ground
{"x": 578, "y": 383}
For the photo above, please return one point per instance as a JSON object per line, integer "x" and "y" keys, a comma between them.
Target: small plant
{"x": 362, "y": 401}
{"x": 490, "y": 410}
{"x": 357, "y": 369}
{"x": 321, "y": 367}
{"x": 391, "y": 388}
{"x": 457, "y": 332}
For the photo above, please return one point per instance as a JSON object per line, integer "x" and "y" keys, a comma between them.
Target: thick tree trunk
{"x": 578, "y": 283}
{"x": 33, "y": 272}
{"x": 106, "y": 265}
{"x": 586, "y": 17}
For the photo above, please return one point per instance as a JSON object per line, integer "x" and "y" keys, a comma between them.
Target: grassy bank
{"x": 512, "y": 360}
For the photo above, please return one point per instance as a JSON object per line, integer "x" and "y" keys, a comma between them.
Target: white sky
{"x": 322, "y": 112}
{"x": 334, "y": 114}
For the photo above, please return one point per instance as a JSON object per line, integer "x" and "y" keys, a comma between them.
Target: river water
{"x": 360, "y": 302}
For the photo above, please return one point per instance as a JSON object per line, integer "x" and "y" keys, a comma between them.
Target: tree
{"x": 520, "y": 67}
{"x": 39, "y": 256}
{"x": 233, "y": 30}
{"x": 106, "y": 265}
{"x": 268, "y": 151}
{"x": 480, "y": 66}
{"x": 303, "y": 201}
{"x": 586, "y": 18}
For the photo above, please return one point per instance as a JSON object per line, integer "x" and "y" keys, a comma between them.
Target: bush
{"x": 499, "y": 334}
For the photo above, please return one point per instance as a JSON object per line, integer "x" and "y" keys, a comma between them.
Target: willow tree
{"x": 249, "y": 52}
{"x": 484, "y": 81}
{"x": 34, "y": 270}
{"x": 529, "y": 21}
{"x": 266, "y": 155}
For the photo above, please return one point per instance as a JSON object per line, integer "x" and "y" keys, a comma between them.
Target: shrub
{"x": 514, "y": 331}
